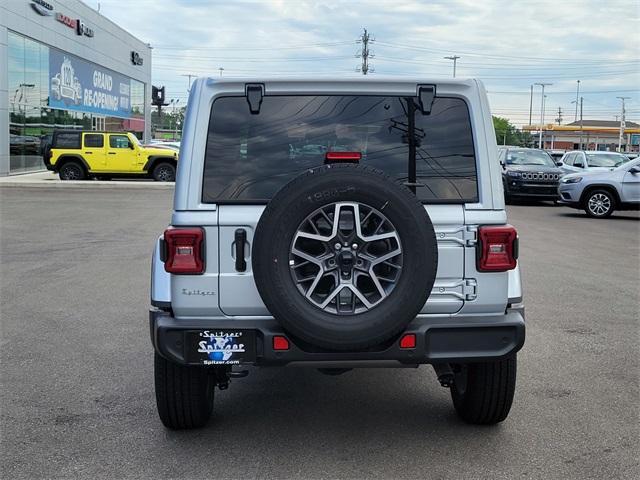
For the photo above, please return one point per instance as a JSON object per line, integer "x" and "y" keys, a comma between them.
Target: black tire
{"x": 72, "y": 170}
{"x": 164, "y": 172}
{"x": 483, "y": 392}
{"x": 275, "y": 232}
{"x": 184, "y": 395}
{"x": 595, "y": 210}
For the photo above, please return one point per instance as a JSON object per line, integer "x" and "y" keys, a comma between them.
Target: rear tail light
{"x": 342, "y": 157}
{"x": 184, "y": 251}
{"x": 497, "y": 248}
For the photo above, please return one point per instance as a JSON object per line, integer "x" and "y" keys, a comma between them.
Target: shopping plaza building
{"x": 64, "y": 65}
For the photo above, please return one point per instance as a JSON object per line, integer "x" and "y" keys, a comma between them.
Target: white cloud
{"x": 508, "y": 44}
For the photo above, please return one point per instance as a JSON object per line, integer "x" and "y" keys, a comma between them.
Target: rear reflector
{"x": 280, "y": 343}
{"x": 342, "y": 157}
{"x": 497, "y": 248}
{"x": 184, "y": 251}
{"x": 408, "y": 341}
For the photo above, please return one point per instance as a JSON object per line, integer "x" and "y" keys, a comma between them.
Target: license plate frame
{"x": 220, "y": 346}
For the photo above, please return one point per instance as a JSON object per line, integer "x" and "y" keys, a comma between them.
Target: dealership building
{"x": 65, "y": 66}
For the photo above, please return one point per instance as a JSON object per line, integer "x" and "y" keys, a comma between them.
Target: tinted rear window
{"x": 250, "y": 157}
{"x": 67, "y": 140}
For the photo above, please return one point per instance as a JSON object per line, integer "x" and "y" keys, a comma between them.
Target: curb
{"x": 75, "y": 184}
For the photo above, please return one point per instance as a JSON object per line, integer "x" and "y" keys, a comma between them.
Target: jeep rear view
{"x": 335, "y": 225}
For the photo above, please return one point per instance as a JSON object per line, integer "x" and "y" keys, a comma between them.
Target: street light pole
{"x": 455, "y": 59}
{"x": 622, "y": 123}
{"x": 542, "y": 111}
{"x": 530, "y": 105}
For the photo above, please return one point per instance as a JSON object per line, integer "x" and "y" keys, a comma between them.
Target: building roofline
{"x": 119, "y": 27}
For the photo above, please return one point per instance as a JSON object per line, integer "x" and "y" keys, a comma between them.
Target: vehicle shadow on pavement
{"x": 615, "y": 216}
{"x": 371, "y": 407}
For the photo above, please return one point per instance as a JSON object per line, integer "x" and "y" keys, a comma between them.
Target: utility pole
{"x": 530, "y": 105}
{"x": 189, "y": 84}
{"x": 559, "y": 118}
{"x": 455, "y": 60}
{"x": 542, "y": 112}
{"x": 581, "y": 99}
{"x": 577, "y": 95}
{"x": 364, "y": 53}
{"x": 622, "y": 123}
{"x": 221, "y": 70}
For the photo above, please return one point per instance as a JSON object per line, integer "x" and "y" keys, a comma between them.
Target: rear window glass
{"x": 250, "y": 157}
{"x": 67, "y": 140}
{"x": 94, "y": 140}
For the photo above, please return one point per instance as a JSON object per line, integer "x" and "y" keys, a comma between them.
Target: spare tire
{"x": 343, "y": 257}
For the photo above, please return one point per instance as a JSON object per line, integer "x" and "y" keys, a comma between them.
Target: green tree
{"x": 508, "y": 134}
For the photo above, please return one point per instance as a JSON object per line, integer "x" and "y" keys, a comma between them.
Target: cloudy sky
{"x": 507, "y": 44}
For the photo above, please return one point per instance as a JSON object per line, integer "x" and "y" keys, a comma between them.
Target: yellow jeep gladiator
{"x": 77, "y": 155}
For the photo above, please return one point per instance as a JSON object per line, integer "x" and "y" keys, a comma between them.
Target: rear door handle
{"x": 240, "y": 240}
{"x": 112, "y": 153}
{"x": 89, "y": 153}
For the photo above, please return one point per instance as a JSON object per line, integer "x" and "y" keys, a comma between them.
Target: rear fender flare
{"x": 67, "y": 158}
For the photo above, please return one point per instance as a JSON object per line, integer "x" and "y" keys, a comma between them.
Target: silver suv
{"x": 600, "y": 192}
{"x": 382, "y": 242}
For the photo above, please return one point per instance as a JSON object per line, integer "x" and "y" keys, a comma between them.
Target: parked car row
{"x": 597, "y": 182}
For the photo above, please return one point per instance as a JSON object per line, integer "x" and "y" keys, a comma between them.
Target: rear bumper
{"x": 438, "y": 340}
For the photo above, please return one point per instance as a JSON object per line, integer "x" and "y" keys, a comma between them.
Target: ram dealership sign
{"x": 77, "y": 84}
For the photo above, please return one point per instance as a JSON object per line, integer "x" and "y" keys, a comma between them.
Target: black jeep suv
{"x": 528, "y": 173}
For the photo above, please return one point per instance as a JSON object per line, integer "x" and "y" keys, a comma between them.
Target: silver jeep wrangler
{"x": 337, "y": 224}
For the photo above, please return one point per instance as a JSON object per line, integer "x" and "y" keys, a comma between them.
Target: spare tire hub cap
{"x": 346, "y": 258}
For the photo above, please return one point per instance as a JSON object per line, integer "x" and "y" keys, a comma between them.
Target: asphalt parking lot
{"x": 77, "y": 394}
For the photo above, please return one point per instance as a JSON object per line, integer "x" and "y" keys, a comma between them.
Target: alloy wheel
{"x": 599, "y": 204}
{"x": 346, "y": 258}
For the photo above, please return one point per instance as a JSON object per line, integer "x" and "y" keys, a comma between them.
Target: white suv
{"x": 383, "y": 242}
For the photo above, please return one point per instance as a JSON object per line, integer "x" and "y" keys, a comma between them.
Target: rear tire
{"x": 483, "y": 392}
{"x": 164, "y": 172}
{"x": 184, "y": 395}
{"x": 599, "y": 203}
{"x": 72, "y": 170}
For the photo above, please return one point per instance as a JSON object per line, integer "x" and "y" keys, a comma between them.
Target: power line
{"x": 253, "y": 48}
{"x": 485, "y": 55}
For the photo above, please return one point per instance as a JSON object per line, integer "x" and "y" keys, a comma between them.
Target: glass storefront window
{"x": 31, "y": 116}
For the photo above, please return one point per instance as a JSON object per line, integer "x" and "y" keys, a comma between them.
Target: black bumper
{"x": 546, "y": 191}
{"x": 438, "y": 340}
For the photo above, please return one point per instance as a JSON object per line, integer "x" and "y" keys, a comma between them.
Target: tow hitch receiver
{"x": 223, "y": 375}
{"x": 445, "y": 374}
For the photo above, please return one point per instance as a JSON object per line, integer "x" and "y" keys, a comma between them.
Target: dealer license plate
{"x": 221, "y": 347}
